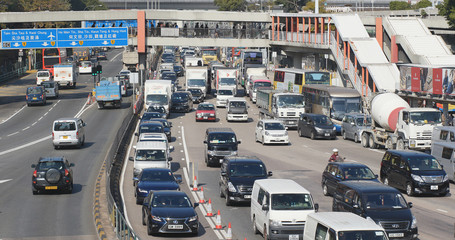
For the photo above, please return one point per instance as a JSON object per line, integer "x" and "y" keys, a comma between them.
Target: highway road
{"x": 303, "y": 161}
{"x": 26, "y": 135}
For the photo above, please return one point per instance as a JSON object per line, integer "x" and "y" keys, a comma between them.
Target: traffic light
{"x": 99, "y": 69}
{"x": 94, "y": 71}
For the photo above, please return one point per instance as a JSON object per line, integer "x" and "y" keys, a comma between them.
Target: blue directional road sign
{"x": 64, "y": 38}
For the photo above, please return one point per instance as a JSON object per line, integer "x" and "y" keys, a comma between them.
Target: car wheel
{"x": 70, "y": 189}
{"x": 35, "y": 192}
{"x": 221, "y": 193}
{"x": 344, "y": 135}
{"x": 262, "y": 141}
{"x": 442, "y": 194}
{"x": 386, "y": 181}
{"x": 325, "y": 191}
{"x": 409, "y": 189}
{"x": 138, "y": 202}
{"x": 299, "y": 132}
{"x": 255, "y": 228}
{"x": 207, "y": 163}
{"x": 400, "y": 144}
{"x": 228, "y": 201}
{"x": 149, "y": 227}
{"x": 356, "y": 138}
{"x": 371, "y": 142}
{"x": 83, "y": 141}
{"x": 364, "y": 140}
{"x": 144, "y": 221}
{"x": 313, "y": 136}
{"x": 56, "y": 147}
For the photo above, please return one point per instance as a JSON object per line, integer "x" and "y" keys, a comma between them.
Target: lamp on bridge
{"x": 92, "y": 6}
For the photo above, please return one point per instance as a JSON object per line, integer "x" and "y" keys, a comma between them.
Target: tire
{"x": 53, "y": 176}
{"x": 262, "y": 141}
{"x": 356, "y": 138}
{"x": 325, "y": 191}
{"x": 442, "y": 194}
{"x": 35, "y": 192}
{"x": 70, "y": 189}
{"x": 364, "y": 140}
{"x": 83, "y": 141}
{"x": 144, "y": 221}
{"x": 149, "y": 231}
{"x": 389, "y": 143}
{"x": 255, "y": 228}
{"x": 256, "y": 137}
{"x": 228, "y": 201}
{"x": 137, "y": 201}
{"x": 386, "y": 181}
{"x": 409, "y": 189}
{"x": 312, "y": 136}
{"x": 56, "y": 147}
{"x": 221, "y": 193}
{"x": 400, "y": 144}
{"x": 344, "y": 135}
{"x": 299, "y": 131}
{"x": 371, "y": 142}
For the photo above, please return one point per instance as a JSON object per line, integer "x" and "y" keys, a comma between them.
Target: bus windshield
{"x": 317, "y": 78}
{"x": 296, "y": 101}
{"x": 341, "y": 106}
{"x": 253, "y": 58}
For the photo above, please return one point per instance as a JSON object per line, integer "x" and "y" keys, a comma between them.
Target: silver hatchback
{"x": 354, "y": 124}
{"x": 68, "y": 132}
{"x": 51, "y": 88}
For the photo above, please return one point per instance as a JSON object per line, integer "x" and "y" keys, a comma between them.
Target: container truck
{"x": 65, "y": 75}
{"x": 196, "y": 77}
{"x": 281, "y": 105}
{"x": 398, "y": 126}
{"x": 226, "y": 78}
{"x": 158, "y": 92}
{"x": 108, "y": 92}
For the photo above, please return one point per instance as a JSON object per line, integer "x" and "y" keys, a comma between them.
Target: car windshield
{"x": 180, "y": 96}
{"x": 86, "y": 64}
{"x": 150, "y": 155}
{"x": 384, "y": 201}
{"x": 165, "y": 176}
{"x": 237, "y": 104}
{"x": 261, "y": 84}
{"x": 247, "y": 170}
{"x": 227, "y": 81}
{"x": 361, "y": 121}
{"x": 358, "y": 173}
{"x": 156, "y": 99}
{"x": 64, "y": 126}
{"x": 291, "y": 202}
{"x": 424, "y": 163}
{"x": 35, "y": 90}
{"x": 322, "y": 120}
{"x": 44, "y": 166}
{"x": 151, "y": 115}
{"x": 222, "y": 138}
{"x": 225, "y": 92}
{"x": 206, "y": 107}
{"x": 362, "y": 235}
{"x": 151, "y": 128}
{"x": 163, "y": 201}
{"x": 169, "y": 76}
{"x": 196, "y": 82}
{"x": 274, "y": 126}
{"x": 158, "y": 109}
{"x": 425, "y": 117}
{"x": 43, "y": 74}
{"x": 162, "y": 121}
{"x": 195, "y": 91}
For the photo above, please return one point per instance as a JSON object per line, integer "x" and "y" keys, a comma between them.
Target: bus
{"x": 51, "y": 57}
{"x": 332, "y": 101}
{"x": 292, "y": 79}
{"x": 249, "y": 58}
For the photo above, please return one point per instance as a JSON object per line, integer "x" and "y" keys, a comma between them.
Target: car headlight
{"x": 414, "y": 222}
{"x": 417, "y": 178}
{"x": 210, "y": 152}
{"x": 192, "y": 219}
{"x": 156, "y": 218}
{"x": 142, "y": 190}
{"x": 334, "y": 128}
{"x": 281, "y": 114}
{"x": 136, "y": 171}
{"x": 275, "y": 223}
{"x": 318, "y": 129}
{"x": 212, "y": 114}
{"x": 234, "y": 153}
{"x": 285, "y": 133}
{"x": 267, "y": 133}
{"x": 231, "y": 187}
{"x": 446, "y": 178}
{"x": 199, "y": 114}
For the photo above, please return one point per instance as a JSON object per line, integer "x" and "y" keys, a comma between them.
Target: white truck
{"x": 196, "y": 77}
{"x": 281, "y": 105}
{"x": 158, "y": 92}
{"x": 190, "y": 61}
{"x": 227, "y": 78}
{"x": 398, "y": 126}
{"x": 222, "y": 95}
{"x": 259, "y": 72}
{"x": 65, "y": 75}
{"x": 237, "y": 109}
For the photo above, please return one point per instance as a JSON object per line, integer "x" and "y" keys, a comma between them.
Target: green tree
{"x": 398, "y": 5}
{"x": 311, "y": 6}
{"x": 231, "y": 5}
{"x": 291, "y": 5}
{"x": 423, "y": 4}
{"x": 43, "y": 5}
{"x": 447, "y": 9}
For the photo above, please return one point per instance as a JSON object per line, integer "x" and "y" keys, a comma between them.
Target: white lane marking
{"x": 6, "y": 180}
{"x": 26, "y": 145}
{"x": 14, "y": 114}
{"x": 305, "y": 146}
{"x": 442, "y": 210}
{"x": 39, "y": 119}
{"x": 26, "y": 128}
{"x": 45, "y": 113}
{"x": 34, "y": 123}
{"x": 115, "y": 57}
{"x": 183, "y": 159}
{"x": 14, "y": 133}
{"x": 376, "y": 150}
{"x": 185, "y": 149}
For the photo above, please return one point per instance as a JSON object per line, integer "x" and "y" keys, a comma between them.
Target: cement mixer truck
{"x": 398, "y": 126}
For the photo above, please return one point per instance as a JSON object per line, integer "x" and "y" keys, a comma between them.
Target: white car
{"x": 68, "y": 132}
{"x": 85, "y": 67}
{"x": 271, "y": 131}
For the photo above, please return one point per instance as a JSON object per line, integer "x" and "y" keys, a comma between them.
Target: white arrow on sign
{"x": 6, "y": 180}
{"x": 73, "y": 43}
{"x": 105, "y": 43}
{"x": 16, "y": 45}
{"x": 45, "y": 44}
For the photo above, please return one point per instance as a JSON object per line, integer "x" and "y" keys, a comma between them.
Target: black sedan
{"x": 154, "y": 179}
{"x": 198, "y": 95}
{"x": 169, "y": 212}
{"x": 150, "y": 127}
{"x": 178, "y": 70}
{"x": 52, "y": 174}
{"x": 101, "y": 56}
{"x": 182, "y": 101}
{"x": 336, "y": 172}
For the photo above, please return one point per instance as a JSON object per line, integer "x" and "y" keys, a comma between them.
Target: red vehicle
{"x": 205, "y": 112}
{"x": 51, "y": 57}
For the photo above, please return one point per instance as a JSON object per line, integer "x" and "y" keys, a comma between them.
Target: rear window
{"x": 44, "y": 166}
{"x": 34, "y": 91}
{"x": 48, "y": 85}
{"x": 43, "y": 74}
{"x": 64, "y": 126}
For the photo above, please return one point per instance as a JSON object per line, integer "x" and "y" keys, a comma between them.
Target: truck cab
{"x": 288, "y": 107}
{"x": 222, "y": 95}
{"x": 237, "y": 109}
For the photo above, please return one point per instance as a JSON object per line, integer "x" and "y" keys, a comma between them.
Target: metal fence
{"x": 18, "y": 70}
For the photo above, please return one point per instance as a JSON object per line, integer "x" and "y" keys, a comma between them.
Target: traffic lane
{"x": 134, "y": 211}
{"x": 312, "y": 154}
{"x": 59, "y": 214}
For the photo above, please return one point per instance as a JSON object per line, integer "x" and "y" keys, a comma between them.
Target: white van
{"x": 43, "y": 75}
{"x": 68, "y": 132}
{"x": 150, "y": 154}
{"x": 279, "y": 208}
{"x": 341, "y": 226}
{"x": 443, "y": 134}
{"x": 443, "y": 152}
{"x": 156, "y": 137}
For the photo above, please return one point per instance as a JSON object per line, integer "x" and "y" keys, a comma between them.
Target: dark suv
{"x": 414, "y": 172}
{"x": 219, "y": 143}
{"x": 52, "y": 173}
{"x": 383, "y": 204}
{"x": 182, "y": 101}
{"x": 316, "y": 126}
{"x": 238, "y": 175}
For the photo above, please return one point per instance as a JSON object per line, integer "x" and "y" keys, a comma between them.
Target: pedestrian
{"x": 196, "y": 29}
{"x": 185, "y": 30}
{"x": 216, "y": 30}
{"x": 244, "y": 30}
{"x": 206, "y": 32}
{"x": 450, "y": 119}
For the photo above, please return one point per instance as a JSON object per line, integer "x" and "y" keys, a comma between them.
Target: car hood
{"x": 173, "y": 212}
{"x": 247, "y": 181}
{"x": 389, "y": 214}
{"x": 429, "y": 172}
{"x": 157, "y": 185}
{"x": 178, "y": 101}
{"x": 325, "y": 126}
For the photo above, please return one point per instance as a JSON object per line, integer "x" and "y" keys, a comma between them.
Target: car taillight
{"x": 66, "y": 172}
{"x": 42, "y": 96}
{"x": 52, "y": 135}
{"x": 26, "y": 97}
{"x": 35, "y": 173}
{"x": 77, "y": 135}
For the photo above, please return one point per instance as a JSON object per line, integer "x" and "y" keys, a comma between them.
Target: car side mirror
{"x": 265, "y": 207}
{"x": 146, "y": 201}
{"x": 178, "y": 178}
{"x": 169, "y": 159}
{"x": 170, "y": 124}
{"x": 239, "y": 141}
{"x": 171, "y": 148}
{"x": 205, "y": 141}
{"x": 352, "y": 123}
{"x": 131, "y": 158}
{"x": 134, "y": 147}
{"x": 223, "y": 174}
{"x": 260, "y": 128}
{"x": 316, "y": 207}
{"x": 338, "y": 176}
{"x": 84, "y": 124}
{"x": 410, "y": 204}
{"x": 270, "y": 174}
{"x": 136, "y": 134}
{"x": 33, "y": 165}
{"x": 376, "y": 176}
{"x": 355, "y": 206}
{"x": 72, "y": 165}
{"x": 286, "y": 128}
{"x": 196, "y": 204}
{"x": 135, "y": 180}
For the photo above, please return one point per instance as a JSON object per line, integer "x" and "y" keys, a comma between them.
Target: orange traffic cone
{"x": 195, "y": 184}
{"x": 218, "y": 221}
{"x": 201, "y": 195}
{"x": 209, "y": 208}
{"x": 229, "y": 232}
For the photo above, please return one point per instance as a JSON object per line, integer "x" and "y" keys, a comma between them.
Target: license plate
{"x": 34, "y": 98}
{"x": 396, "y": 234}
{"x": 205, "y": 117}
{"x": 175, "y": 226}
{"x": 51, "y": 188}
{"x": 326, "y": 134}
{"x": 293, "y": 237}
{"x": 65, "y": 137}
{"x": 247, "y": 196}
{"x": 434, "y": 187}
{"x": 291, "y": 122}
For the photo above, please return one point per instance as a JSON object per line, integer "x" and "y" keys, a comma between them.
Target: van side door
{"x": 447, "y": 160}
{"x": 393, "y": 171}
{"x": 262, "y": 215}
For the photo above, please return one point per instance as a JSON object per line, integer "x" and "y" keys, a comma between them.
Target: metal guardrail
{"x": 19, "y": 72}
